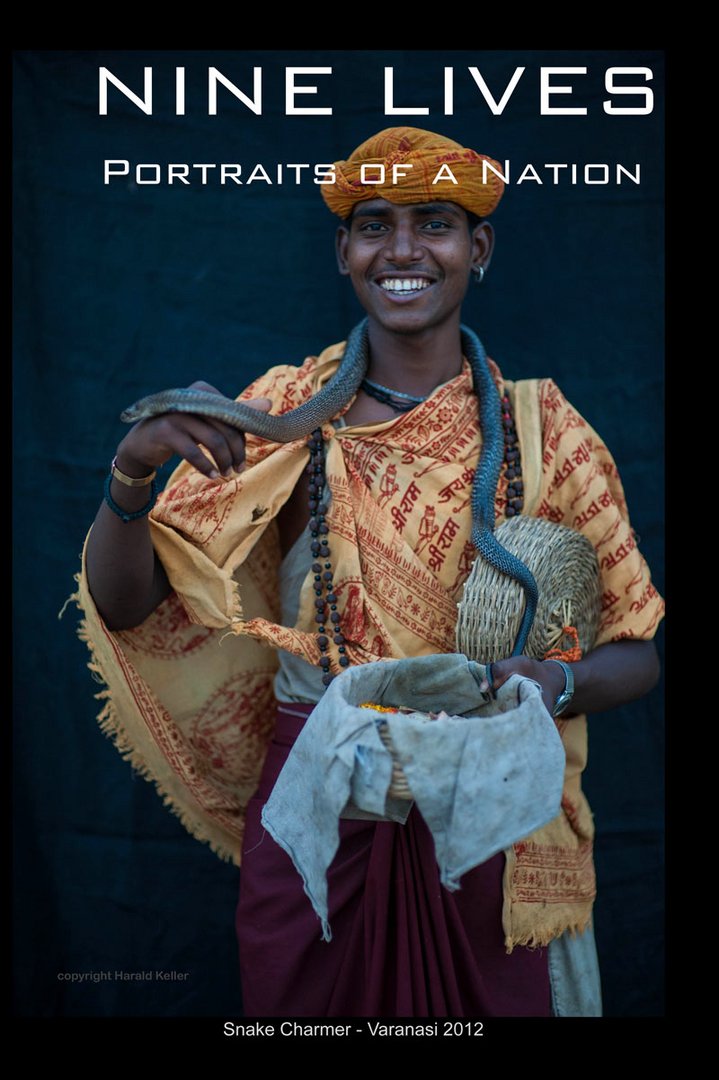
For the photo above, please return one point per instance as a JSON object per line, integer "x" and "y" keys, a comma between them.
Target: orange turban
{"x": 426, "y": 152}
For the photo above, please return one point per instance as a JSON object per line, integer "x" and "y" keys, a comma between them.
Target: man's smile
{"x": 410, "y": 264}
{"x": 403, "y": 287}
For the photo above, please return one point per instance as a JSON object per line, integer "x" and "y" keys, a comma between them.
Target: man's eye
{"x": 436, "y": 225}
{"x": 373, "y": 226}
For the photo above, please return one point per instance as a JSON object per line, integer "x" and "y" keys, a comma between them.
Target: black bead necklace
{"x": 512, "y": 460}
{"x": 325, "y": 596}
{"x": 324, "y": 582}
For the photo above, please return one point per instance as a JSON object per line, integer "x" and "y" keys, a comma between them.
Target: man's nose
{"x": 403, "y": 245}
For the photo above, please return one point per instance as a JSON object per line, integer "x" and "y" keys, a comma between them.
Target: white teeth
{"x": 405, "y": 284}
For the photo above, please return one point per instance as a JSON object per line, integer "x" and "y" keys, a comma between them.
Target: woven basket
{"x": 398, "y": 788}
{"x": 566, "y": 570}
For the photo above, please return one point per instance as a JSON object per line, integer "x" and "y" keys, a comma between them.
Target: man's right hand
{"x": 150, "y": 443}
{"x": 126, "y": 578}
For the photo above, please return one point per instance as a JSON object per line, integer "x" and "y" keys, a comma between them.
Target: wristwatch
{"x": 568, "y": 692}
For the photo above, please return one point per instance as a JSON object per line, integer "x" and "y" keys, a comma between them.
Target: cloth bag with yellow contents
{"x": 485, "y": 773}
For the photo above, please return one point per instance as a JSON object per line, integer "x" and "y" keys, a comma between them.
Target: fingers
{"x": 207, "y": 387}
{"x": 234, "y": 440}
{"x": 549, "y": 676}
{"x": 187, "y": 448}
{"x": 152, "y": 442}
{"x": 155, "y": 441}
{"x": 225, "y": 445}
{"x": 497, "y": 674}
{"x": 499, "y": 671}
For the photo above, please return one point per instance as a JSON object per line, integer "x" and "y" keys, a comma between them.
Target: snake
{"x": 332, "y": 398}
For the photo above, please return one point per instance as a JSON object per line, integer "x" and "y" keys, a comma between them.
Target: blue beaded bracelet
{"x": 154, "y": 488}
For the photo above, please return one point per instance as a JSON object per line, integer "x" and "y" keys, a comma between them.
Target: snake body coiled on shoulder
{"x": 332, "y": 398}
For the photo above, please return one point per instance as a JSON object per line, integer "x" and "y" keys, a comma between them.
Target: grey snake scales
{"x": 338, "y": 391}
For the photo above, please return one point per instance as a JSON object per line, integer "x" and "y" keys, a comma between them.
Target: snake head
{"x": 156, "y": 404}
{"x": 130, "y": 415}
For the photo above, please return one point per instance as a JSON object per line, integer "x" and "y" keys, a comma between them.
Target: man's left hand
{"x": 550, "y": 676}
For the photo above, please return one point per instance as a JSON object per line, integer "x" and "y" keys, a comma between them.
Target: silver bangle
{"x": 568, "y": 692}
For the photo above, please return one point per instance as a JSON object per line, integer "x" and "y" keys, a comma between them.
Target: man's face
{"x": 410, "y": 265}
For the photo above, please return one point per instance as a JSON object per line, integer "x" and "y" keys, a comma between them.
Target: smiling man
{"x": 432, "y": 248}
{"x": 363, "y": 559}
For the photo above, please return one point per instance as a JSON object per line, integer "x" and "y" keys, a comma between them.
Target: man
{"x": 370, "y": 570}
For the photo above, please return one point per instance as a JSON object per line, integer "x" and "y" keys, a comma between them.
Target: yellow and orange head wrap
{"x": 426, "y": 152}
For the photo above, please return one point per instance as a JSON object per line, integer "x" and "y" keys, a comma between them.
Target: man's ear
{"x": 341, "y": 242}
{"x": 482, "y": 245}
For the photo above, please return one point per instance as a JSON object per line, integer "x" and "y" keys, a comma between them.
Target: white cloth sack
{"x": 484, "y": 776}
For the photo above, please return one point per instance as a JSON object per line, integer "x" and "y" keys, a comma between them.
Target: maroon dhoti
{"x": 402, "y": 945}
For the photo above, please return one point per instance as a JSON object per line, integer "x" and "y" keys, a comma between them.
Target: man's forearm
{"x": 609, "y": 676}
{"x": 126, "y": 579}
{"x": 613, "y": 674}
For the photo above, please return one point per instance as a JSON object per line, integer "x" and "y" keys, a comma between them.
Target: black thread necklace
{"x": 396, "y": 399}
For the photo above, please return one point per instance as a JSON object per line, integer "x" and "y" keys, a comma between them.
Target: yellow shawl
{"x": 188, "y": 696}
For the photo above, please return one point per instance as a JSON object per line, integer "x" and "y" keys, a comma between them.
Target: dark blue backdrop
{"x": 124, "y": 289}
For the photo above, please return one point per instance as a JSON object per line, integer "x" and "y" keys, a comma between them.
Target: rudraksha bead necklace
{"x": 512, "y": 460}
{"x": 325, "y": 596}
{"x": 322, "y": 570}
